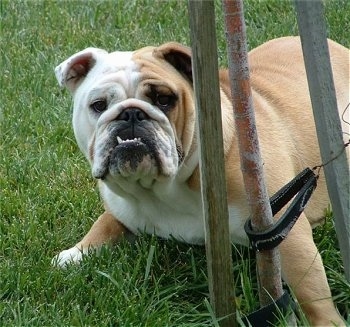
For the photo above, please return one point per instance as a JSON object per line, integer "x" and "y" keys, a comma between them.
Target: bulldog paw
{"x": 73, "y": 255}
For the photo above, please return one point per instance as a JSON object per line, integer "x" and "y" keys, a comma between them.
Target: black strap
{"x": 268, "y": 316}
{"x": 285, "y": 194}
{"x": 303, "y": 185}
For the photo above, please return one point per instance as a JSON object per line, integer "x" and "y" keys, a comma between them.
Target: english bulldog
{"x": 134, "y": 119}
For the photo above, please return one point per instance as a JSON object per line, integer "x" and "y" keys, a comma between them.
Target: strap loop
{"x": 303, "y": 185}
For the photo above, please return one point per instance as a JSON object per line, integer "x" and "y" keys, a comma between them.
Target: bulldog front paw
{"x": 73, "y": 255}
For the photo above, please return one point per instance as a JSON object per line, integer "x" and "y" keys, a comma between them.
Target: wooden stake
{"x": 215, "y": 210}
{"x": 268, "y": 262}
{"x": 312, "y": 29}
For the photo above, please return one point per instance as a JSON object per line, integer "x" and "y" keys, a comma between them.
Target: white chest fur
{"x": 169, "y": 210}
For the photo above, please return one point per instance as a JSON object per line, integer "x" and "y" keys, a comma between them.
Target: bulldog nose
{"x": 132, "y": 115}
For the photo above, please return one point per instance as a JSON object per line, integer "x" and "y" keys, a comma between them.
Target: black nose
{"x": 132, "y": 115}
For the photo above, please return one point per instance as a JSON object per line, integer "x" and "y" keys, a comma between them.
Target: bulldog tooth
{"x": 135, "y": 139}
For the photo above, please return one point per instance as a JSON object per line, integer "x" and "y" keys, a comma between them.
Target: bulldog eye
{"x": 164, "y": 102}
{"x": 99, "y": 106}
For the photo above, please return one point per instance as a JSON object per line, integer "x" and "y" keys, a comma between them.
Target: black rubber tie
{"x": 269, "y": 315}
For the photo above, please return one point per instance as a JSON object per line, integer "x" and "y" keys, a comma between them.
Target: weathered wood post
{"x": 312, "y": 29}
{"x": 268, "y": 262}
{"x": 206, "y": 85}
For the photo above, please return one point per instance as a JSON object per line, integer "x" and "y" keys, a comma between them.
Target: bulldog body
{"x": 134, "y": 119}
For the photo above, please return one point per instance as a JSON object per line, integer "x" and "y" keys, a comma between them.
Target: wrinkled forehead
{"x": 131, "y": 67}
{"x": 125, "y": 74}
{"x": 117, "y": 70}
{"x": 121, "y": 73}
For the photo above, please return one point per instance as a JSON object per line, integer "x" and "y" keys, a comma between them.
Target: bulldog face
{"x": 133, "y": 111}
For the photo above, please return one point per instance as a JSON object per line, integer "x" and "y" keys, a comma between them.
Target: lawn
{"x": 48, "y": 199}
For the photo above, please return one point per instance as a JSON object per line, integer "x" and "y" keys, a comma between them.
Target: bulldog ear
{"x": 178, "y": 56}
{"x": 73, "y": 70}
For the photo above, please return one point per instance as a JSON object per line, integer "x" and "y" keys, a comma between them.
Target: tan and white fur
{"x": 135, "y": 121}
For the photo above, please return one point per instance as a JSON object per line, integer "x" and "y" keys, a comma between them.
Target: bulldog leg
{"x": 105, "y": 230}
{"x": 303, "y": 270}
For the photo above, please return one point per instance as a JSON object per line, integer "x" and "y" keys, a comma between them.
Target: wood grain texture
{"x": 312, "y": 29}
{"x": 206, "y": 85}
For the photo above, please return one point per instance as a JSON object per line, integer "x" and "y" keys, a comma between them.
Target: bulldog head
{"x": 134, "y": 114}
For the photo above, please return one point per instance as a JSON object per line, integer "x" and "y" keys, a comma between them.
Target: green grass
{"x": 48, "y": 199}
